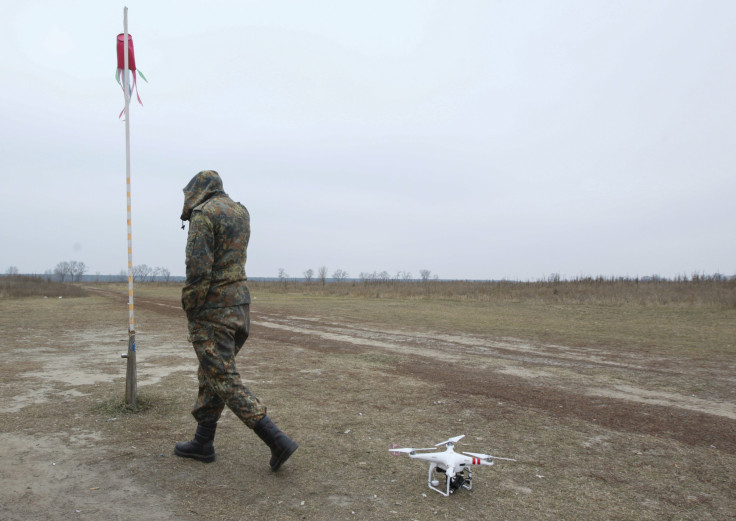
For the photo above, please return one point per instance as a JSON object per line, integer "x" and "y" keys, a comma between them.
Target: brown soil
{"x": 599, "y": 433}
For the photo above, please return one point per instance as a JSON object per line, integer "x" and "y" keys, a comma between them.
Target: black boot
{"x": 201, "y": 447}
{"x": 280, "y": 444}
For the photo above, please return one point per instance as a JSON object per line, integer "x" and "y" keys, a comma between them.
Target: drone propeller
{"x": 407, "y": 450}
{"x": 486, "y": 456}
{"x": 451, "y": 440}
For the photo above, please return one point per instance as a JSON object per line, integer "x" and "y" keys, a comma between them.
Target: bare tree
{"x": 72, "y": 270}
{"x": 62, "y": 270}
{"x": 425, "y": 274}
{"x": 322, "y": 274}
{"x": 308, "y": 275}
{"x": 77, "y": 270}
{"x": 165, "y": 273}
{"x": 283, "y": 275}
{"x": 12, "y": 271}
{"x": 141, "y": 272}
{"x": 340, "y": 275}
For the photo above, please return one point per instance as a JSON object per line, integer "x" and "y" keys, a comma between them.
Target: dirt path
{"x": 552, "y": 364}
{"x": 611, "y": 388}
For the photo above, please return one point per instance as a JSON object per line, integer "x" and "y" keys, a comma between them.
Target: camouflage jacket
{"x": 219, "y": 230}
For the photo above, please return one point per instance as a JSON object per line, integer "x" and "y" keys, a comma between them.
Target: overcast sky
{"x": 477, "y": 139}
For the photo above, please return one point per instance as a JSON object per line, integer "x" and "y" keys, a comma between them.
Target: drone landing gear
{"x": 463, "y": 479}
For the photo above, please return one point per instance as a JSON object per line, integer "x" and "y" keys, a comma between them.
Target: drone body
{"x": 455, "y": 466}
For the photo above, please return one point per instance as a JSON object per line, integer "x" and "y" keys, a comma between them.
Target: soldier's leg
{"x": 222, "y": 335}
{"x": 282, "y": 447}
{"x": 226, "y": 330}
{"x": 243, "y": 329}
{"x": 209, "y": 406}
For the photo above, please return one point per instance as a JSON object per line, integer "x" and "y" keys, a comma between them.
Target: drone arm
{"x": 486, "y": 457}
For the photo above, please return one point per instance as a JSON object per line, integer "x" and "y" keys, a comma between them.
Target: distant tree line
{"x": 69, "y": 270}
{"x": 73, "y": 271}
{"x": 340, "y": 275}
{"x": 146, "y": 273}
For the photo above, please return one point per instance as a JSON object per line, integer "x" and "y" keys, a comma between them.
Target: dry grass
{"x": 19, "y": 286}
{"x": 346, "y": 403}
{"x": 673, "y": 329}
{"x": 680, "y": 318}
{"x": 698, "y": 290}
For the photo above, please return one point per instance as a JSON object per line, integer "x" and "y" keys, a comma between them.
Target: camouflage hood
{"x": 202, "y": 186}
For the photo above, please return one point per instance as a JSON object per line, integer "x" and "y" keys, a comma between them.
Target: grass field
{"x": 616, "y": 405}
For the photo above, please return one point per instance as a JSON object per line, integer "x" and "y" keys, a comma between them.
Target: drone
{"x": 455, "y": 467}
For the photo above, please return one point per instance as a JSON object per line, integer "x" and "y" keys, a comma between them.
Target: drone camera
{"x": 457, "y": 482}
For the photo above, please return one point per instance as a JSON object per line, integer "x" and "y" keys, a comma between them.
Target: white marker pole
{"x": 131, "y": 385}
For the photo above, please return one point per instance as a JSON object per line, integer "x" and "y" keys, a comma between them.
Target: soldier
{"x": 217, "y": 303}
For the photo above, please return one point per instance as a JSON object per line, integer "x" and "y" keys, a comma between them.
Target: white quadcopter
{"x": 454, "y": 466}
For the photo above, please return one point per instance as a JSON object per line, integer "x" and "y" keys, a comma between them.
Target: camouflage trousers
{"x": 217, "y": 336}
